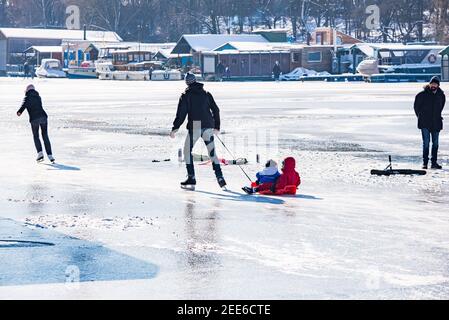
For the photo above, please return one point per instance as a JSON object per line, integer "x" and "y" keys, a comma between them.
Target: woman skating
{"x": 39, "y": 120}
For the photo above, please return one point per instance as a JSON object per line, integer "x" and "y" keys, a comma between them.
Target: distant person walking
{"x": 220, "y": 71}
{"x": 39, "y": 120}
{"x": 203, "y": 122}
{"x": 429, "y": 105}
{"x": 277, "y": 71}
{"x": 32, "y": 71}
{"x": 228, "y": 72}
{"x": 26, "y": 70}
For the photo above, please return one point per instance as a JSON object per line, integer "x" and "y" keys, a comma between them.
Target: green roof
{"x": 445, "y": 52}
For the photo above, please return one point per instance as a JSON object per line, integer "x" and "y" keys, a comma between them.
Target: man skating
{"x": 39, "y": 120}
{"x": 429, "y": 105}
{"x": 203, "y": 122}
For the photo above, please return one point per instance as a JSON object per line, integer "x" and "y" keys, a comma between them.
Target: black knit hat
{"x": 190, "y": 78}
{"x": 435, "y": 80}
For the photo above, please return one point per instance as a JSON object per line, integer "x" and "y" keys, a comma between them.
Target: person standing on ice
{"x": 39, "y": 120}
{"x": 203, "y": 122}
{"x": 429, "y": 105}
{"x": 277, "y": 71}
{"x": 26, "y": 70}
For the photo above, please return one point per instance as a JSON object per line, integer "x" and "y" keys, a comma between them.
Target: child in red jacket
{"x": 288, "y": 178}
{"x": 287, "y": 183}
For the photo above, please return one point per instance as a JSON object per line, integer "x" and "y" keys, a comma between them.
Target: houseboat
{"x": 396, "y": 58}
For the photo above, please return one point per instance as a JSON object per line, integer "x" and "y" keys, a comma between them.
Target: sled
{"x": 404, "y": 172}
{"x": 224, "y": 162}
{"x": 287, "y": 191}
{"x": 389, "y": 171}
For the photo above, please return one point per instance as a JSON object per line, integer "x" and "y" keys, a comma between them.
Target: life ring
{"x": 432, "y": 58}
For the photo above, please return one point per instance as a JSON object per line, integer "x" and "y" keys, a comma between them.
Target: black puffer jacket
{"x": 429, "y": 108}
{"x": 198, "y": 105}
{"x": 33, "y": 104}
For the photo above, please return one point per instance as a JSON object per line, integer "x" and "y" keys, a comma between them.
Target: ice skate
{"x": 40, "y": 157}
{"x": 189, "y": 184}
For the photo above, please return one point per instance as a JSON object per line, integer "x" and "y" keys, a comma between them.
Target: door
{"x": 3, "y": 55}
{"x": 244, "y": 65}
{"x": 445, "y": 68}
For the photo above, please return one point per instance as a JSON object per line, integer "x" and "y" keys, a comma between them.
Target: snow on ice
{"x": 121, "y": 221}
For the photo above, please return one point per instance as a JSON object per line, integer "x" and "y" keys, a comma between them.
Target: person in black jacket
{"x": 26, "y": 70}
{"x": 277, "y": 71}
{"x": 39, "y": 120}
{"x": 429, "y": 105}
{"x": 203, "y": 122}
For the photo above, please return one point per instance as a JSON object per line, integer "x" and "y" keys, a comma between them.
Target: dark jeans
{"x": 43, "y": 125}
{"x": 426, "y": 134}
{"x": 208, "y": 137}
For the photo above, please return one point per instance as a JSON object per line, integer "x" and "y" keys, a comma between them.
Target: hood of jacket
{"x": 289, "y": 164}
{"x": 195, "y": 87}
{"x": 271, "y": 171}
{"x": 32, "y": 93}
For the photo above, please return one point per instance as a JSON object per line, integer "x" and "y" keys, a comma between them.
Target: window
{"x": 296, "y": 57}
{"x": 314, "y": 57}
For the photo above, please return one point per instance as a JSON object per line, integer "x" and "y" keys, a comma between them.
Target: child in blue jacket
{"x": 265, "y": 179}
{"x": 270, "y": 174}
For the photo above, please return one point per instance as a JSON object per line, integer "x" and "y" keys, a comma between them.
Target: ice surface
{"x": 346, "y": 235}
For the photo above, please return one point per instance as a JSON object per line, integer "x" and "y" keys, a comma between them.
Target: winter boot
{"x": 40, "y": 157}
{"x": 51, "y": 158}
{"x": 425, "y": 166}
{"x": 436, "y": 166}
{"x": 249, "y": 190}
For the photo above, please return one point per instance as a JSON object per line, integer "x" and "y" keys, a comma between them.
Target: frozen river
{"x": 110, "y": 217}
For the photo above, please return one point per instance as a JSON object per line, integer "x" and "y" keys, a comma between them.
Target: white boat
{"x": 166, "y": 75}
{"x": 368, "y": 67}
{"x": 107, "y": 71}
{"x": 87, "y": 70}
{"x": 50, "y": 68}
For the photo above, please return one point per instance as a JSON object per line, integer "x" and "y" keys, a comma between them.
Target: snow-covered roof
{"x": 368, "y": 48}
{"x": 151, "y": 47}
{"x": 143, "y": 47}
{"x": 257, "y": 46}
{"x": 46, "y": 49}
{"x": 60, "y": 34}
{"x": 445, "y": 51}
{"x": 271, "y": 30}
{"x": 209, "y": 42}
{"x": 165, "y": 52}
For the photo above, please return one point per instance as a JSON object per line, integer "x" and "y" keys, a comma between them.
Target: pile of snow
{"x": 298, "y": 73}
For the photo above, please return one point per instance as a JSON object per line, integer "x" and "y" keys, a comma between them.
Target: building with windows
{"x": 15, "y": 41}
{"x": 253, "y": 56}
